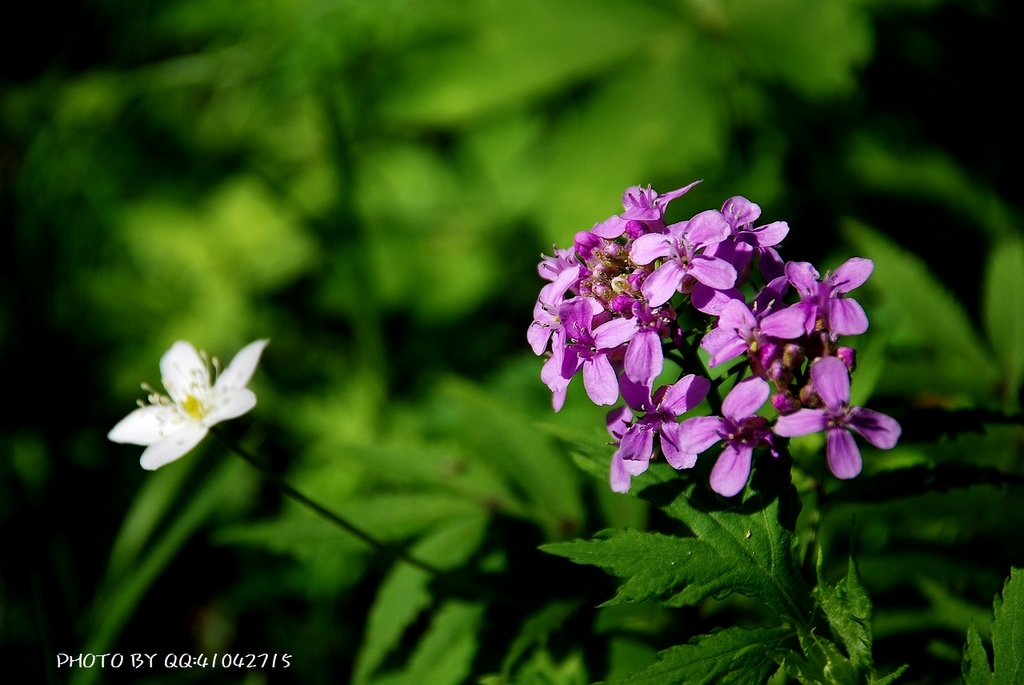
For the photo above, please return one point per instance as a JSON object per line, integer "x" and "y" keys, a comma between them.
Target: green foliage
{"x": 1004, "y": 313}
{"x": 1007, "y": 665}
{"x": 369, "y": 184}
{"x": 733, "y": 656}
{"x": 746, "y": 549}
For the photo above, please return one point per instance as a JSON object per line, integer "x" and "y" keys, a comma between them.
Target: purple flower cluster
{"x": 612, "y": 310}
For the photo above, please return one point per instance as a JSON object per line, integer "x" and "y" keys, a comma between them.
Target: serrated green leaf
{"x": 731, "y": 656}
{"x": 1004, "y": 310}
{"x": 670, "y": 570}
{"x": 756, "y": 534}
{"x": 847, "y": 607}
{"x": 1008, "y": 632}
{"x": 892, "y": 677}
{"x": 975, "y": 667}
{"x": 1007, "y": 640}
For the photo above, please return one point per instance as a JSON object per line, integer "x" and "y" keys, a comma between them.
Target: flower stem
{"x": 320, "y": 510}
{"x": 459, "y": 584}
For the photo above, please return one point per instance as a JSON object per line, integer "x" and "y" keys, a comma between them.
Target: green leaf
{"x": 497, "y": 63}
{"x": 1008, "y": 632}
{"x": 1004, "y": 310}
{"x": 816, "y": 47}
{"x": 445, "y": 654}
{"x": 1007, "y": 640}
{"x": 732, "y": 656}
{"x": 917, "y": 480}
{"x": 535, "y": 631}
{"x": 847, "y": 607}
{"x": 976, "y": 668}
{"x": 750, "y": 549}
{"x": 403, "y": 595}
{"x": 928, "y": 320}
{"x": 755, "y": 532}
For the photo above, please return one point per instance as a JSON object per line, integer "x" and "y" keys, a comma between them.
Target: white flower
{"x": 171, "y": 426}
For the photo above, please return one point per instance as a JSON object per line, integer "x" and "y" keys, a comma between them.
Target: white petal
{"x": 174, "y": 446}
{"x": 231, "y": 405}
{"x": 241, "y": 368}
{"x": 144, "y": 426}
{"x": 183, "y": 371}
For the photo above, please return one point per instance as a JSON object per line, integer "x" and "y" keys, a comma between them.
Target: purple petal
{"x": 732, "y": 470}
{"x": 846, "y": 317}
{"x": 558, "y": 398}
{"x": 637, "y": 444}
{"x": 843, "y": 454}
{"x": 685, "y": 394}
{"x": 710, "y": 301}
{"x": 713, "y": 272}
{"x": 804, "y": 277}
{"x": 787, "y": 323}
{"x": 746, "y": 398}
{"x": 880, "y": 430}
{"x": 663, "y": 200}
{"x": 832, "y": 383}
{"x": 637, "y": 395}
{"x": 538, "y": 337}
{"x": 552, "y": 373}
{"x": 699, "y": 433}
{"x": 771, "y": 264}
{"x": 613, "y": 333}
{"x": 576, "y": 314}
{"x": 661, "y": 285}
{"x": 707, "y": 228}
{"x": 740, "y": 211}
{"x": 723, "y": 345}
{"x": 619, "y": 476}
{"x": 770, "y": 234}
{"x": 610, "y": 228}
{"x": 671, "y": 448}
{"x": 852, "y": 274}
{"x": 600, "y": 381}
{"x": 617, "y": 421}
{"x": 801, "y": 422}
{"x": 644, "y": 358}
{"x": 652, "y": 246}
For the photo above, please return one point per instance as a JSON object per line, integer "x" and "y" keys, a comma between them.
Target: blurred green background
{"x": 370, "y": 184}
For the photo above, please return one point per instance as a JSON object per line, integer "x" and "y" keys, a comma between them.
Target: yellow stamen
{"x": 193, "y": 407}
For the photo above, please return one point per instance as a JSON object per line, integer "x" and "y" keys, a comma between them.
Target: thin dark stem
{"x": 453, "y": 581}
{"x": 320, "y": 510}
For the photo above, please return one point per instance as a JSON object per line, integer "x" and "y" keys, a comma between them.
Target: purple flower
{"x": 644, "y": 359}
{"x": 645, "y": 213}
{"x": 832, "y": 384}
{"x": 550, "y": 267}
{"x": 823, "y": 304}
{"x": 587, "y": 346}
{"x": 636, "y": 438}
{"x": 681, "y": 245}
{"x": 744, "y": 239}
{"x": 739, "y": 428}
{"x": 740, "y": 330}
{"x": 545, "y": 312}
